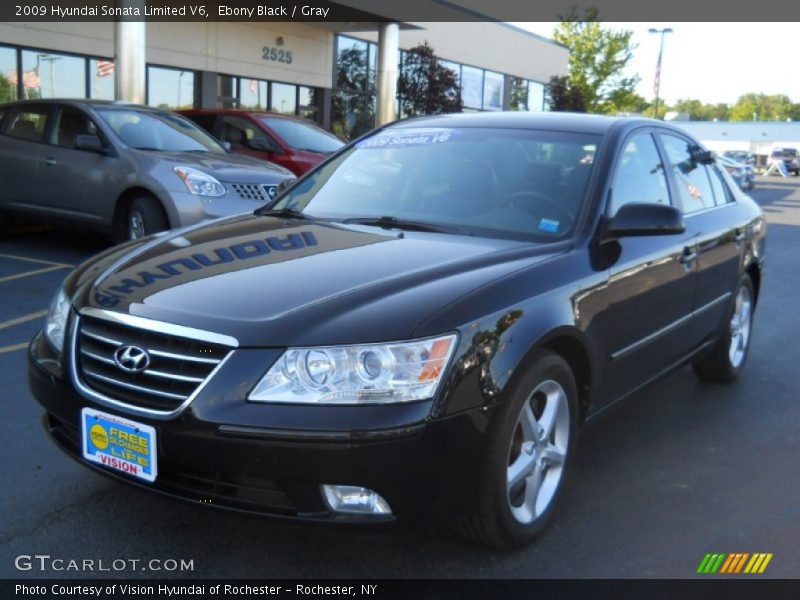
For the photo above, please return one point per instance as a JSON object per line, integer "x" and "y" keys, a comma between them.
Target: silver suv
{"x": 123, "y": 168}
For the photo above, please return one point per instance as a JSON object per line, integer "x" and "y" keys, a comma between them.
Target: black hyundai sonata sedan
{"x": 415, "y": 331}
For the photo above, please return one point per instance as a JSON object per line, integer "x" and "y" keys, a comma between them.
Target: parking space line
{"x": 30, "y": 273}
{"x": 37, "y": 260}
{"x": 24, "y": 319}
{"x": 21, "y": 346}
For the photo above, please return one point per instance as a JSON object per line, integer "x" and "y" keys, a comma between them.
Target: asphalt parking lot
{"x": 679, "y": 470}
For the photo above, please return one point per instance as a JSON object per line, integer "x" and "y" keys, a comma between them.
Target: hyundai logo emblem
{"x": 131, "y": 359}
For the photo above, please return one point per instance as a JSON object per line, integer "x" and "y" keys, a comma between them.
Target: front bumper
{"x": 186, "y": 209}
{"x": 225, "y": 452}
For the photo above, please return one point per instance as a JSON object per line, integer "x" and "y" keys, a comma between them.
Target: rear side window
{"x": 640, "y": 175}
{"x": 722, "y": 194}
{"x": 692, "y": 178}
{"x": 71, "y": 123}
{"x": 28, "y": 124}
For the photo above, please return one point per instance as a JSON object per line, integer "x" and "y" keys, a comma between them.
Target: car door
{"x": 21, "y": 148}
{"x": 83, "y": 178}
{"x": 651, "y": 279}
{"x": 712, "y": 216}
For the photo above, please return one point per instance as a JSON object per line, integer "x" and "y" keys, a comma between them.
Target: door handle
{"x": 688, "y": 256}
{"x": 50, "y": 161}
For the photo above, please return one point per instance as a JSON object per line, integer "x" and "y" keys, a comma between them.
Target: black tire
{"x": 144, "y": 217}
{"x": 491, "y": 520}
{"x": 717, "y": 366}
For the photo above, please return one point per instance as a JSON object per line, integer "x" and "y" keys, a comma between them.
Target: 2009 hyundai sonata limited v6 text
{"x": 415, "y": 330}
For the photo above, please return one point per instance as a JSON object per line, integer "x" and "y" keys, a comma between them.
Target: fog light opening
{"x": 352, "y": 499}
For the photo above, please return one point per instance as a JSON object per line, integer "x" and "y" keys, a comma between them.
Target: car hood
{"x": 271, "y": 282}
{"x": 229, "y": 167}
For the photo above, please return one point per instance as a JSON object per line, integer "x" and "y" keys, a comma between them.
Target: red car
{"x": 291, "y": 142}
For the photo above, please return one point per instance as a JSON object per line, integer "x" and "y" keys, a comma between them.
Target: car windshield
{"x": 522, "y": 183}
{"x": 303, "y": 136}
{"x": 158, "y": 131}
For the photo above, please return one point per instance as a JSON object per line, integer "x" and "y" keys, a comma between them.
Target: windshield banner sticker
{"x": 405, "y": 139}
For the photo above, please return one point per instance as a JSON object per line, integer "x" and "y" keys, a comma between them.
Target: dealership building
{"x": 341, "y": 75}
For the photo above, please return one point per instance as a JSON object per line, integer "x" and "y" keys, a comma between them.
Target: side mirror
{"x": 90, "y": 143}
{"x": 702, "y": 156}
{"x": 265, "y": 145}
{"x": 645, "y": 219}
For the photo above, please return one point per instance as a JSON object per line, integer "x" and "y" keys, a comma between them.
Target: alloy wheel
{"x": 740, "y": 327}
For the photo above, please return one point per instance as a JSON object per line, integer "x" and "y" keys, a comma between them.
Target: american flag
{"x": 30, "y": 79}
{"x": 105, "y": 68}
{"x": 253, "y": 86}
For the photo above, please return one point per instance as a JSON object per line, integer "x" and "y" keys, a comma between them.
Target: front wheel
{"x": 728, "y": 357}
{"x": 145, "y": 216}
{"x": 530, "y": 445}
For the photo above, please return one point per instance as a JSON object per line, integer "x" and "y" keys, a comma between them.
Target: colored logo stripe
{"x": 734, "y": 563}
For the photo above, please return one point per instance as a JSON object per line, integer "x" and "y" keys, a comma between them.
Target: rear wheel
{"x": 728, "y": 357}
{"x": 144, "y": 217}
{"x": 530, "y": 447}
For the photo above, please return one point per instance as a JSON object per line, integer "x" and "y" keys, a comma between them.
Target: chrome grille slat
{"x": 179, "y": 366}
{"x": 130, "y": 386}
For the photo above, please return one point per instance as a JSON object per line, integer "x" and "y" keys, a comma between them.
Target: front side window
{"x": 694, "y": 186}
{"x": 240, "y": 132}
{"x": 158, "y": 131}
{"x": 722, "y": 194}
{"x": 303, "y": 136}
{"x": 28, "y": 124}
{"x": 639, "y": 176}
{"x": 70, "y": 123}
{"x": 522, "y": 183}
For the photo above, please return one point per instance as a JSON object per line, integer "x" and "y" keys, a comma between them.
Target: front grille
{"x": 255, "y": 191}
{"x": 177, "y": 366}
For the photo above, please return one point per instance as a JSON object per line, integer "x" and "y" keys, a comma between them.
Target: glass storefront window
{"x": 352, "y": 61}
{"x": 309, "y": 101}
{"x": 8, "y": 74}
{"x": 101, "y": 78}
{"x": 50, "y": 75}
{"x": 283, "y": 98}
{"x": 493, "y": 91}
{"x": 454, "y": 67}
{"x": 352, "y": 114}
{"x": 252, "y": 94}
{"x": 472, "y": 87}
{"x": 535, "y": 96}
{"x": 170, "y": 88}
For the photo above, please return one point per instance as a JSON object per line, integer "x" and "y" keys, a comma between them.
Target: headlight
{"x": 363, "y": 374}
{"x": 200, "y": 183}
{"x": 55, "y": 325}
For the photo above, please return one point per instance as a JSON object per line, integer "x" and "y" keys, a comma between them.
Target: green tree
{"x": 425, "y": 87}
{"x": 563, "y": 96}
{"x": 762, "y": 107}
{"x": 598, "y": 58}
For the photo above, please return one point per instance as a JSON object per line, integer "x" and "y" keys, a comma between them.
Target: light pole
{"x": 657, "y": 82}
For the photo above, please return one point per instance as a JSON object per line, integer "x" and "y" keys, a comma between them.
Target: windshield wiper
{"x": 395, "y": 223}
{"x": 291, "y": 213}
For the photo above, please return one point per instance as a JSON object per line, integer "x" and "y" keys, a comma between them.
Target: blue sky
{"x": 713, "y": 62}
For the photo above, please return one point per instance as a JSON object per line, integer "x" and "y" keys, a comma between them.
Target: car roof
{"x": 87, "y": 102}
{"x": 235, "y": 111}
{"x": 548, "y": 121}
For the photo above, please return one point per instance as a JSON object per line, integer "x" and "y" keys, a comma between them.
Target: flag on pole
{"x": 105, "y": 68}
{"x": 30, "y": 79}
{"x": 253, "y": 86}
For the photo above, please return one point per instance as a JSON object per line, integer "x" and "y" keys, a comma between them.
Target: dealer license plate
{"x": 119, "y": 444}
